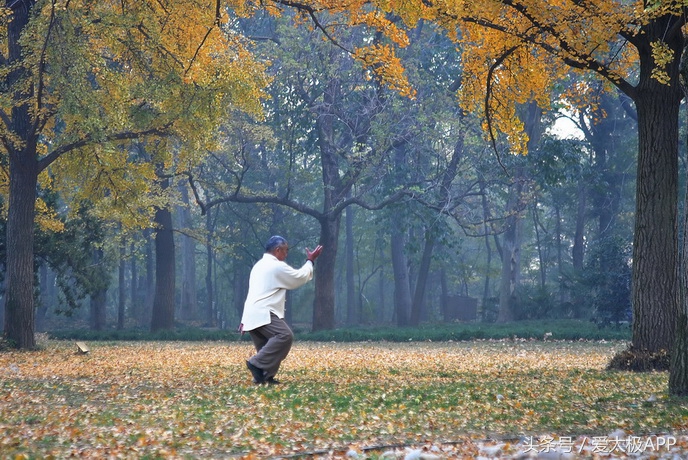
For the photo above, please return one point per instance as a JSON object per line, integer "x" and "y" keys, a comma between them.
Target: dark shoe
{"x": 258, "y": 374}
{"x": 272, "y": 381}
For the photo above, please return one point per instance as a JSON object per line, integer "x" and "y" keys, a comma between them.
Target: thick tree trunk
{"x": 23, "y": 171}
{"x": 19, "y": 304}
{"x": 163, "y": 305}
{"x": 678, "y": 374}
{"x": 655, "y": 242}
{"x": 678, "y": 369}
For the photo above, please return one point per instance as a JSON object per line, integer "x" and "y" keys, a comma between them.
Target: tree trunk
{"x": 335, "y": 190}
{"x": 150, "y": 277}
{"x": 655, "y": 242}
{"x": 678, "y": 373}
{"x": 578, "y": 250}
{"x": 323, "y": 303}
{"x": 678, "y": 369}
{"x": 421, "y": 283}
{"x": 163, "y": 305}
{"x": 98, "y": 318}
{"x": 352, "y": 306}
{"x": 189, "y": 301}
{"x": 210, "y": 260}
{"x": 402, "y": 286}
{"x": 121, "y": 306}
{"x": 45, "y": 298}
{"x": 531, "y": 115}
{"x": 23, "y": 172}
{"x": 511, "y": 252}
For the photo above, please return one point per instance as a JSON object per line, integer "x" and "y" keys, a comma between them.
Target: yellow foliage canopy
{"x": 101, "y": 75}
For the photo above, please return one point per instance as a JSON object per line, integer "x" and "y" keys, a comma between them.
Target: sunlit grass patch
{"x": 196, "y": 399}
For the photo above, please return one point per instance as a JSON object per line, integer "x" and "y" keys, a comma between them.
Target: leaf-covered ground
{"x": 366, "y": 400}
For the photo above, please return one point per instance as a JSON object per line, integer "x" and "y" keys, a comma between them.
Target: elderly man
{"x": 263, "y": 316}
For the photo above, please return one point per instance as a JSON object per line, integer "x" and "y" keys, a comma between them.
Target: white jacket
{"x": 267, "y": 288}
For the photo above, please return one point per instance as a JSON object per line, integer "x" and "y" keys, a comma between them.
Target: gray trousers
{"x": 273, "y": 342}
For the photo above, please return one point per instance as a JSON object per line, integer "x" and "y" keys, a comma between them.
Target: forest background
{"x": 179, "y": 172}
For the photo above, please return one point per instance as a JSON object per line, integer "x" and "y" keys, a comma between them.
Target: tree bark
{"x": 23, "y": 172}
{"x": 210, "y": 260}
{"x": 402, "y": 287}
{"x": 352, "y": 305}
{"x": 189, "y": 301}
{"x": 323, "y": 303}
{"x": 655, "y": 242}
{"x": 578, "y": 249}
{"x": 163, "y": 305}
{"x": 511, "y": 260}
{"x": 421, "y": 283}
{"x": 98, "y": 318}
{"x": 121, "y": 306}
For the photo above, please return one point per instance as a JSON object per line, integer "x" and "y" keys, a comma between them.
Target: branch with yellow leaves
{"x": 48, "y": 159}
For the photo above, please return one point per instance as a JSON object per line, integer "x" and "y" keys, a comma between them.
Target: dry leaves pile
{"x": 371, "y": 400}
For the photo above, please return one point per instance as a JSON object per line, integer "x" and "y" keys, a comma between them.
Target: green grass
{"x": 195, "y": 399}
{"x": 536, "y": 330}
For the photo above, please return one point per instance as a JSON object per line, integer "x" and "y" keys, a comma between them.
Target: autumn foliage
{"x": 178, "y": 400}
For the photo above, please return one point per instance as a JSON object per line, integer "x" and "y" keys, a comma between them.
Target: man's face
{"x": 281, "y": 252}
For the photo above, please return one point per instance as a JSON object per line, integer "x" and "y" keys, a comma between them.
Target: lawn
{"x": 365, "y": 400}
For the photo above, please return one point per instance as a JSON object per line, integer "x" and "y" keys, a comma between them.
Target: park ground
{"x": 511, "y": 398}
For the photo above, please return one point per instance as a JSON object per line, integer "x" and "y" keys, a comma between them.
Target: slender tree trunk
{"x": 531, "y": 115}
{"x": 210, "y": 259}
{"x": 323, "y": 303}
{"x": 150, "y": 277}
{"x": 511, "y": 264}
{"x": 540, "y": 249}
{"x": 488, "y": 248}
{"x": 163, "y": 305}
{"x": 402, "y": 285}
{"x": 189, "y": 302}
{"x": 421, "y": 283}
{"x": 578, "y": 250}
{"x": 42, "y": 308}
{"x": 352, "y": 312}
{"x": 134, "y": 293}
{"x": 98, "y": 318}
{"x": 121, "y": 307}
{"x": 381, "y": 284}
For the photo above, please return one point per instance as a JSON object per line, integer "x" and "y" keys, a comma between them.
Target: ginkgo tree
{"x": 514, "y": 50}
{"x": 83, "y": 79}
